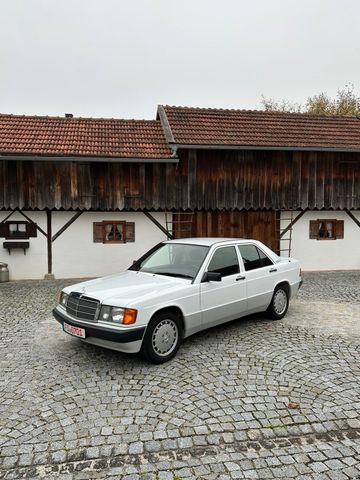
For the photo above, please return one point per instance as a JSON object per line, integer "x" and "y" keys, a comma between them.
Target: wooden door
{"x": 244, "y": 224}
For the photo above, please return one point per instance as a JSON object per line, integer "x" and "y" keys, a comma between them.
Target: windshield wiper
{"x": 171, "y": 274}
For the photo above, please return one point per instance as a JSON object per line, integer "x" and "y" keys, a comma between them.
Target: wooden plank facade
{"x": 203, "y": 180}
{"x": 263, "y": 226}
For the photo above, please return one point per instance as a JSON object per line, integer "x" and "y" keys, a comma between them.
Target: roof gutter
{"x": 253, "y": 147}
{"x": 89, "y": 159}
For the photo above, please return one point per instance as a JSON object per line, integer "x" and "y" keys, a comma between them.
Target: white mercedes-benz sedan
{"x": 176, "y": 289}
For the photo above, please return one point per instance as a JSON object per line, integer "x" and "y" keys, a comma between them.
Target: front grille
{"x": 82, "y": 307}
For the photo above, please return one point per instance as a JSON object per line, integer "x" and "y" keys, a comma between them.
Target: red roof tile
{"x": 90, "y": 137}
{"x": 251, "y": 128}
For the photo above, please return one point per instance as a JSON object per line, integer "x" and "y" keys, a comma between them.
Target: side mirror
{"x": 211, "y": 277}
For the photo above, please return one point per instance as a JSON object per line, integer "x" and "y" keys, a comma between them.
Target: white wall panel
{"x": 75, "y": 255}
{"x": 341, "y": 254}
{"x": 34, "y": 263}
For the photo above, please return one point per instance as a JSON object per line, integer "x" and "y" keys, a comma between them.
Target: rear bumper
{"x": 106, "y": 334}
{"x": 295, "y": 287}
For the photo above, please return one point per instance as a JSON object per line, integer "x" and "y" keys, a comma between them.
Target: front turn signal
{"x": 130, "y": 315}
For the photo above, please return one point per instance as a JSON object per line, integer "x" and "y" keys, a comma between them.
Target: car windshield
{"x": 173, "y": 259}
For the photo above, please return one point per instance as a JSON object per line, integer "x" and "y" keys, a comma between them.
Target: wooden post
{"x": 49, "y": 245}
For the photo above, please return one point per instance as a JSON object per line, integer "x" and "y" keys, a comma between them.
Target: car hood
{"x": 127, "y": 287}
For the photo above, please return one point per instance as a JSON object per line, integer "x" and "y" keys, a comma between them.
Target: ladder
{"x": 285, "y": 233}
{"x": 179, "y": 224}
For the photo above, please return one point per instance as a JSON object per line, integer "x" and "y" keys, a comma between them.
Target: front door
{"x": 224, "y": 300}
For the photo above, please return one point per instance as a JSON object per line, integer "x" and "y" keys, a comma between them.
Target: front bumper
{"x": 107, "y": 334}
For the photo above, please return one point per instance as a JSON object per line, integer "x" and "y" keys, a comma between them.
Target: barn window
{"x": 326, "y": 229}
{"x": 17, "y": 230}
{"x": 114, "y": 231}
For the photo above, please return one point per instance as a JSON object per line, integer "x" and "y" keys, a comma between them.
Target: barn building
{"x": 82, "y": 197}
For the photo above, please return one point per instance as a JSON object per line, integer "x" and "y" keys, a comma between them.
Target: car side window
{"x": 253, "y": 257}
{"x": 224, "y": 261}
{"x": 265, "y": 260}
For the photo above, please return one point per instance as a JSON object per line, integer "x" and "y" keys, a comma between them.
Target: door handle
{"x": 273, "y": 270}
{"x": 242, "y": 277}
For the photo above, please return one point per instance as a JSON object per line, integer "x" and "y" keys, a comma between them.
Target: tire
{"x": 279, "y": 303}
{"x": 162, "y": 337}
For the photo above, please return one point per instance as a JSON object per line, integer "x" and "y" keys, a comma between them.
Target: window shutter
{"x": 98, "y": 232}
{"x": 314, "y": 229}
{"x": 31, "y": 229}
{"x": 4, "y": 230}
{"x": 339, "y": 229}
{"x": 130, "y": 232}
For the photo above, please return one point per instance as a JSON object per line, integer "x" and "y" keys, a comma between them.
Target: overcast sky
{"x": 121, "y": 58}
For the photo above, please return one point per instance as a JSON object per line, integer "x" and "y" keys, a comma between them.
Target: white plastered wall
{"x": 341, "y": 254}
{"x": 74, "y": 253}
{"x": 34, "y": 263}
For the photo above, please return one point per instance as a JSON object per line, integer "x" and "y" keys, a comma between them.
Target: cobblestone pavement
{"x": 253, "y": 399}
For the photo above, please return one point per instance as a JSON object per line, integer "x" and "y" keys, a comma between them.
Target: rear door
{"x": 224, "y": 300}
{"x": 261, "y": 276}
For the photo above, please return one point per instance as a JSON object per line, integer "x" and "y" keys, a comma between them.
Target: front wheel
{"x": 279, "y": 303}
{"x": 162, "y": 338}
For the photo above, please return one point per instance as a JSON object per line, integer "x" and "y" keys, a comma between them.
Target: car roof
{"x": 209, "y": 241}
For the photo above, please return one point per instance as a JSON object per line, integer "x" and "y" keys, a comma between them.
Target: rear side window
{"x": 224, "y": 261}
{"x": 253, "y": 257}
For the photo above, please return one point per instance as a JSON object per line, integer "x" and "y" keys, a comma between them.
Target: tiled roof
{"x": 251, "y": 128}
{"x": 90, "y": 137}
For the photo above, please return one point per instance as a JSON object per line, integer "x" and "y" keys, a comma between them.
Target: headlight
{"x": 117, "y": 314}
{"x": 105, "y": 313}
{"x": 126, "y": 316}
{"x": 63, "y": 299}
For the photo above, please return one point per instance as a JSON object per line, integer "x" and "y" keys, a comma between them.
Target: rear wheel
{"x": 162, "y": 338}
{"x": 279, "y": 303}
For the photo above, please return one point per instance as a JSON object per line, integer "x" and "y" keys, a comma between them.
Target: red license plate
{"x": 75, "y": 331}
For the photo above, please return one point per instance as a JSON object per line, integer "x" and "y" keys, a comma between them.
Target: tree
{"x": 346, "y": 102}
{"x": 271, "y": 105}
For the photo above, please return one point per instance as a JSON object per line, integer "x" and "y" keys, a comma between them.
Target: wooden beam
{"x": 67, "y": 225}
{"x": 352, "y": 217}
{"x": 31, "y": 221}
{"x": 3, "y": 221}
{"x": 49, "y": 243}
{"x": 292, "y": 223}
{"x": 155, "y": 222}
